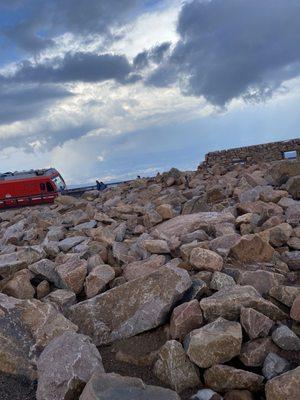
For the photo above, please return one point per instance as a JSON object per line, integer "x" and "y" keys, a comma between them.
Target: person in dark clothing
{"x": 100, "y": 185}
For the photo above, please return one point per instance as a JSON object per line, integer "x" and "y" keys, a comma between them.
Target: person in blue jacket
{"x": 100, "y": 185}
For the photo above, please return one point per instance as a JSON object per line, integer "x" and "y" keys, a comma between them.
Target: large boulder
{"x": 281, "y": 171}
{"x": 131, "y": 308}
{"x": 222, "y": 378}
{"x": 293, "y": 186}
{"x": 284, "y": 387}
{"x": 184, "y": 224}
{"x": 261, "y": 280}
{"x": 174, "y": 368}
{"x": 65, "y": 366}
{"x": 214, "y": 343}
{"x": 116, "y": 387}
{"x": 251, "y": 248}
{"x": 26, "y": 327}
{"x": 227, "y": 303}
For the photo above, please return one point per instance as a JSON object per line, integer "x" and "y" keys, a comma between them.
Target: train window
{"x": 290, "y": 155}
{"x": 43, "y": 186}
{"x": 49, "y": 187}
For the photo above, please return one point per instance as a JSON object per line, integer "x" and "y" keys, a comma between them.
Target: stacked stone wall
{"x": 253, "y": 154}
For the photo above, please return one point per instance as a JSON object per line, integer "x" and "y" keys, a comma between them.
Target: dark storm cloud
{"x": 233, "y": 48}
{"x": 155, "y": 55}
{"x": 34, "y": 23}
{"x": 21, "y": 103}
{"x": 84, "y": 67}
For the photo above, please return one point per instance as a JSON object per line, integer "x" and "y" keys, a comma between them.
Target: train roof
{"x": 10, "y": 176}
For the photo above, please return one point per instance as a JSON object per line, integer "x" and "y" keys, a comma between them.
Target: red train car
{"x": 30, "y": 187}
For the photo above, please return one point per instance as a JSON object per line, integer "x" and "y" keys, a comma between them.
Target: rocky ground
{"x": 182, "y": 286}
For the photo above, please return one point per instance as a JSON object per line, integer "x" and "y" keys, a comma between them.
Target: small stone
{"x": 255, "y": 323}
{"x": 254, "y": 352}
{"x": 185, "y": 318}
{"x": 239, "y": 395}
{"x": 214, "y": 343}
{"x": 62, "y": 299}
{"x": 42, "y": 289}
{"x": 206, "y": 394}
{"x": 141, "y": 268}
{"x": 174, "y": 368}
{"x": 72, "y": 272}
{"x": 295, "y": 310}
{"x": 97, "y": 280}
{"x": 285, "y": 294}
{"x": 156, "y": 246}
{"x": 220, "y": 281}
{"x": 284, "y": 387}
{"x": 280, "y": 234}
{"x": 223, "y": 378}
{"x": 208, "y": 260}
{"x": 286, "y": 339}
{"x": 274, "y": 365}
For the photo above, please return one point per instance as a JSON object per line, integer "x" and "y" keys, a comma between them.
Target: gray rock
{"x": 274, "y": 365}
{"x": 131, "y": 308}
{"x": 206, "y": 394}
{"x": 286, "y": 339}
{"x": 68, "y": 243}
{"x": 47, "y": 269}
{"x": 221, "y": 281}
{"x": 65, "y": 366}
{"x": 117, "y": 387}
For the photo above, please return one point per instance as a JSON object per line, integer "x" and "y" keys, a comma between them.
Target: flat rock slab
{"x": 222, "y": 378}
{"x": 26, "y": 327}
{"x": 131, "y": 308}
{"x": 188, "y": 223}
{"x": 116, "y": 387}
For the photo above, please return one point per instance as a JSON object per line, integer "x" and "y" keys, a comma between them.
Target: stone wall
{"x": 252, "y": 154}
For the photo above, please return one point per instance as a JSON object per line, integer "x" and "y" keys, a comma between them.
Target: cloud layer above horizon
{"x": 84, "y": 85}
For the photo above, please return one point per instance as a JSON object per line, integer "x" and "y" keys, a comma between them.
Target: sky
{"x": 112, "y": 89}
